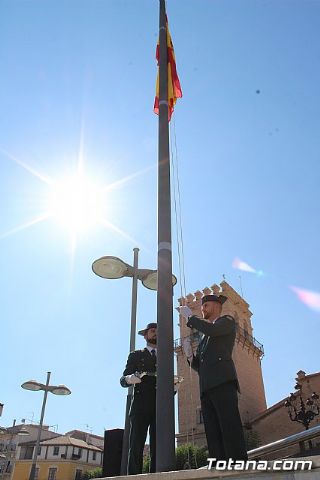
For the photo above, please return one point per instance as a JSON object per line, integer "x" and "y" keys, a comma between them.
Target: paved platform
{"x": 205, "y": 474}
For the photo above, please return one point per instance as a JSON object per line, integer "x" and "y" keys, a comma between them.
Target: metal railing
{"x": 242, "y": 335}
{"x": 285, "y": 442}
{"x": 246, "y": 337}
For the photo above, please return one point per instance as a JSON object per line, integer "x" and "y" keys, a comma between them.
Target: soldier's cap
{"x": 144, "y": 331}
{"x": 213, "y": 298}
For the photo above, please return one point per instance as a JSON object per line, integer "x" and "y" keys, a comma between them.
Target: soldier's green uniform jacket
{"x": 213, "y": 360}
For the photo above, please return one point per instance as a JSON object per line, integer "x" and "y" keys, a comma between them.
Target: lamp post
{"x": 7, "y": 457}
{"x": 35, "y": 387}
{"x": 302, "y": 411}
{"x": 112, "y": 268}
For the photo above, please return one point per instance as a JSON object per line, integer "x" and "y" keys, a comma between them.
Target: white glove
{"x": 176, "y": 386}
{"x": 184, "y": 311}
{"x": 132, "y": 379}
{"x": 187, "y": 347}
{"x": 177, "y": 380}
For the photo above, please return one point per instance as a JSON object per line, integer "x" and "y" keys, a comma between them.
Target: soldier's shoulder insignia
{"x": 136, "y": 352}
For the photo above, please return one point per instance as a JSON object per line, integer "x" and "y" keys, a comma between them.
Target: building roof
{"x": 29, "y": 439}
{"x": 25, "y": 426}
{"x": 18, "y": 427}
{"x": 32, "y": 442}
{"x": 83, "y": 435}
{"x": 67, "y": 440}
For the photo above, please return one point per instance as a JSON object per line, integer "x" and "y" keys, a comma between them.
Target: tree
{"x": 96, "y": 473}
{"x": 146, "y": 464}
{"x": 190, "y": 456}
{"x": 187, "y": 456}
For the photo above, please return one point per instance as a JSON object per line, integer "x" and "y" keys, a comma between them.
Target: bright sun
{"x": 76, "y": 203}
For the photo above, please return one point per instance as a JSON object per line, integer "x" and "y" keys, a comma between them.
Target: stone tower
{"x": 247, "y": 355}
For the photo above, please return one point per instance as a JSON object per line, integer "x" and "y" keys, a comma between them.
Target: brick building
{"x": 274, "y": 423}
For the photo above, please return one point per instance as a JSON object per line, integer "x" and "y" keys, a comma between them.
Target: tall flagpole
{"x": 165, "y": 369}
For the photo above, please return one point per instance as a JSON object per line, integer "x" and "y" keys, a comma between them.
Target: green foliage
{"x": 189, "y": 456}
{"x": 146, "y": 464}
{"x": 96, "y": 473}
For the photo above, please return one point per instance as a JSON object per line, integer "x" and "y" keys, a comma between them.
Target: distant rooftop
{"x": 83, "y": 435}
{"x": 67, "y": 440}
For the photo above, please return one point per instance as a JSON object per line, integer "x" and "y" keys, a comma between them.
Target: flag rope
{"x": 181, "y": 260}
{"x": 177, "y": 209}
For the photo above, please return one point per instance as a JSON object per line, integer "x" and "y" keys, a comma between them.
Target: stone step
{"x": 269, "y": 474}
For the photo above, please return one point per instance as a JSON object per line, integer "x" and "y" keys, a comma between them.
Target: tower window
{"x": 199, "y": 416}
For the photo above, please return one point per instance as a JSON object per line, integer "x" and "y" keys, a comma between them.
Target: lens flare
{"x": 245, "y": 267}
{"x": 308, "y": 297}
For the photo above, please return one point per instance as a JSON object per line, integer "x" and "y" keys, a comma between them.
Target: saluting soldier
{"x": 143, "y": 406}
{"x": 218, "y": 378}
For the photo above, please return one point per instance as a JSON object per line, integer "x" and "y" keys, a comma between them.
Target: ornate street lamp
{"x": 302, "y": 411}
{"x": 35, "y": 387}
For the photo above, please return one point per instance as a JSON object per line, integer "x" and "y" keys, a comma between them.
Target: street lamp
{"x": 35, "y": 387}
{"x": 113, "y": 268}
{"x": 302, "y": 411}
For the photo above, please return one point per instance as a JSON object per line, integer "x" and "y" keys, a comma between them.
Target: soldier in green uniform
{"x": 218, "y": 378}
{"x": 143, "y": 406}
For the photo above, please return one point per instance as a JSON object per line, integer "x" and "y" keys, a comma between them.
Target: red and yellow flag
{"x": 174, "y": 88}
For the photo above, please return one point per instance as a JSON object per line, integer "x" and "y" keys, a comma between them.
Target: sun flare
{"x": 76, "y": 202}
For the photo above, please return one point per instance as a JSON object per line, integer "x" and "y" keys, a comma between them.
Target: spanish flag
{"x": 174, "y": 88}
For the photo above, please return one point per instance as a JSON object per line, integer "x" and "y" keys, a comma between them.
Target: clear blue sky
{"x": 78, "y": 80}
